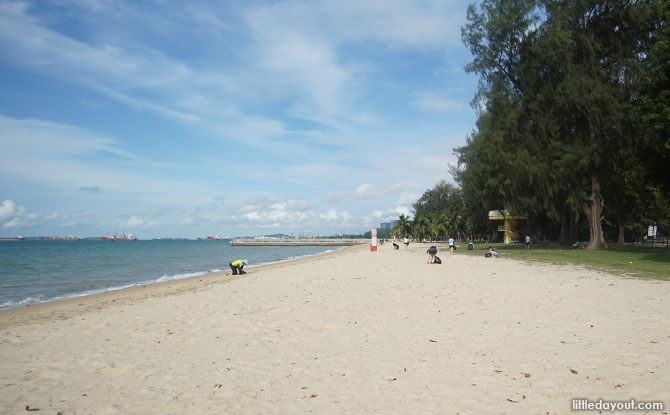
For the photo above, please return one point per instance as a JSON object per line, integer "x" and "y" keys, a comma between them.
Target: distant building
{"x": 387, "y": 225}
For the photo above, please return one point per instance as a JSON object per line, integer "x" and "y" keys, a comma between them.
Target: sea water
{"x": 37, "y": 271}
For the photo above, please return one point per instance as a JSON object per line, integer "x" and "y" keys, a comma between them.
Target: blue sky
{"x": 195, "y": 118}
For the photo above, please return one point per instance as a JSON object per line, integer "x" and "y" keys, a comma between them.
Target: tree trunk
{"x": 574, "y": 227}
{"x": 622, "y": 230}
{"x": 593, "y": 209}
{"x": 564, "y": 237}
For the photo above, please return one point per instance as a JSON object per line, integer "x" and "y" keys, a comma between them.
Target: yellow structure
{"x": 512, "y": 226}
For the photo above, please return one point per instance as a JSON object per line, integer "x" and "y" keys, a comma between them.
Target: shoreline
{"x": 306, "y": 242}
{"x": 62, "y": 308}
{"x": 350, "y": 331}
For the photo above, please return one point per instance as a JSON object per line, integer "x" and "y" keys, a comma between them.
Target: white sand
{"x": 355, "y": 332}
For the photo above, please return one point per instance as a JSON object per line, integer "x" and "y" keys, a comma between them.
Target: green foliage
{"x": 651, "y": 113}
{"x": 381, "y": 234}
{"x": 402, "y": 227}
{"x": 440, "y": 212}
{"x": 566, "y": 90}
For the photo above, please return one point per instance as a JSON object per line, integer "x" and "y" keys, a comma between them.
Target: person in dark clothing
{"x": 432, "y": 256}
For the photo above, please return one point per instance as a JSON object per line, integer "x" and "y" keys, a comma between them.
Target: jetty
{"x": 298, "y": 242}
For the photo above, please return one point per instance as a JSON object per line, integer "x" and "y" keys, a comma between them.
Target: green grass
{"x": 642, "y": 262}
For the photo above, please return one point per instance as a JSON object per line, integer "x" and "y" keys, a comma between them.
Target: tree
{"x": 556, "y": 94}
{"x": 440, "y": 210}
{"x": 421, "y": 227}
{"x": 402, "y": 227}
{"x": 651, "y": 114}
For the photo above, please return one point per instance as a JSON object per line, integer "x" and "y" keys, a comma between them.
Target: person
{"x": 395, "y": 245}
{"x": 238, "y": 266}
{"x": 432, "y": 252}
{"x": 493, "y": 252}
{"x": 452, "y": 245}
{"x": 528, "y": 240}
{"x": 406, "y": 241}
{"x": 471, "y": 245}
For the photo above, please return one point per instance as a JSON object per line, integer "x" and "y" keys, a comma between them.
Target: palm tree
{"x": 404, "y": 224}
{"x": 440, "y": 224}
{"x": 420, "y": 227}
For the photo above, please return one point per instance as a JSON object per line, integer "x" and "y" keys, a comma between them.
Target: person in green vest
{"x": 238, "y": 266}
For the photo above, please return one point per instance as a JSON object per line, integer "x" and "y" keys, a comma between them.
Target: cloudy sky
{"x": 194, "y": 118}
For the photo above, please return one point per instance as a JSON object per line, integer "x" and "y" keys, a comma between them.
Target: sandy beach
{"x": 346, "y": 333}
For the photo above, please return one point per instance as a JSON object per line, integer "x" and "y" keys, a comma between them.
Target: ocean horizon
{"x": 36, "y": 271}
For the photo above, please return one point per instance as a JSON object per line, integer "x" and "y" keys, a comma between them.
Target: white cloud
{"x": 435, "y": 166}
{"x": 44, "y": 139}
{"x": 331, "y": 214}
{"x": 144, "y": 79}
{"x": 133, "y": 222}
{"x": 280, "y": 77}
{"x": 429, "y": 101}
{"x": 9, "y": 209}
{"x": 365, "y": 191}
{"x": 17, "y": 216}
{"x": 408, "y": 198}
{"x": 403, "y": 210}
{"x": 409, "y": 23}
{"x": 90, "y": 189}
{"x": 62, "y": 157}
{"x": 252, "y": 216}
{"x": 368, "y": 191}
{"x": 11, "y": 224}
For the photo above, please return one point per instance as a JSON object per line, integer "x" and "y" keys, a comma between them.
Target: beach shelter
{"x": 512, "y": 226}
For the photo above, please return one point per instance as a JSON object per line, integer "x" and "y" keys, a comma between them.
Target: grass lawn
{"x": 643, "y": 262}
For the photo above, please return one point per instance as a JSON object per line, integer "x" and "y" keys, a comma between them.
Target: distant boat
{"x": 122, "y": 237}
{"x": 213, "y": 238}
{"x": 60, "y": 238}
{"x": 18, "y": 238}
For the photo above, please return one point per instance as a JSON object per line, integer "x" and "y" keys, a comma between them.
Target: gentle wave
{"x": 32, "y": 300}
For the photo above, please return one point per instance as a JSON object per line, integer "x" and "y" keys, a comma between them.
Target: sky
{"x": 195, "y": 118}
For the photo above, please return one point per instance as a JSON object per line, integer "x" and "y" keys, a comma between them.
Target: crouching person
{"x": 238, "y": 266}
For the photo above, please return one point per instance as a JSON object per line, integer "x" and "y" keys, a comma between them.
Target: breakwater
{"x": 298, "y": 242}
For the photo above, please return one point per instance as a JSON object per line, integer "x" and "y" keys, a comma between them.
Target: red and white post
{"x": 373, "y": 242}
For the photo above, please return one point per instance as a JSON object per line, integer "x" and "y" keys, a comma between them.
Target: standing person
{"x": 406, "y": 241}
{"x": 452, "y": 245}
{"x": 528, "y": 240}
{"x": 238, "y": 266}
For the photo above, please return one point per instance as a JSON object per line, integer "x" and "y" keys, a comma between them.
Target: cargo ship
{"x": 60, "y": 238}
{"x": 18, "y": 238}
{"x": 122, "y": 237}
{"x": 212, "y": 238}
